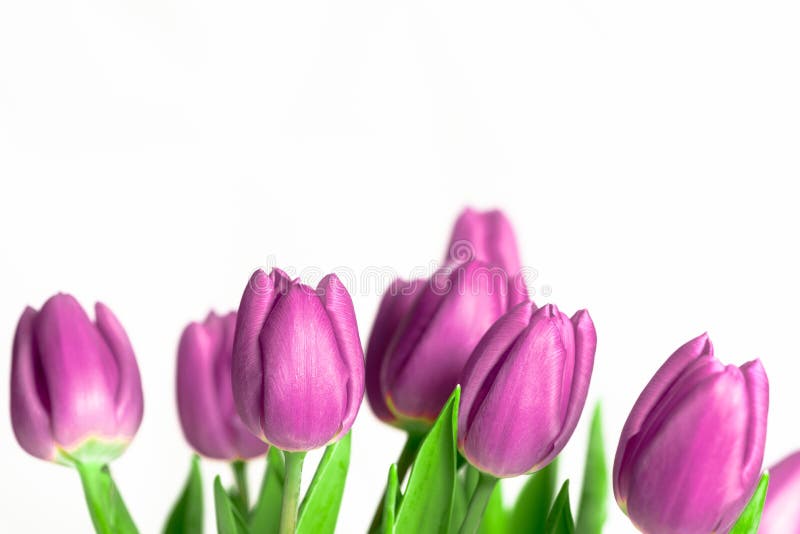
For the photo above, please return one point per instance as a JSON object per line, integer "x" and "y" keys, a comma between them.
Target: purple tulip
{"x": 76, "y": 394}
{"x": 205, "y": 396}
{"x": 782, "y": 510}
{"x": 690, "y": 453}
{"x": 298, "y": 366}
{"x": 524, "y": 388}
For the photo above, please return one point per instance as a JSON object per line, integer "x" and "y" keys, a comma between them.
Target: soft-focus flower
{"x": 425, "y": 329}
{"x": 690, "y": 453}
{"x": 76, "y": 394}
{"x": 524, "y": 388}
{"x": 781, "y": 513}
{"x": 298, "y": 366}
{"x": 205, "y": 396}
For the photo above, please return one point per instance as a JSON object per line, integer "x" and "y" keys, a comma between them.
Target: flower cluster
{"x": 486, "y": 384}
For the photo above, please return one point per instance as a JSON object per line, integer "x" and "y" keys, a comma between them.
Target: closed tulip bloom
{"x": 424, "y": 360}
{"x": 690, "y": 453}
{"x": 298, "y": 366}
{"x": 782, "y": 510}
{"x": 76, "y": 394}
{"x": 205, "y": 395}
{"x": 524, "y": 388}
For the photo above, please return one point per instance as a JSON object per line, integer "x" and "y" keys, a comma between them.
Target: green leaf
{"x": 428, "y": 500}
{"x": 533, "y": 504}
{"x": 465, "y": 485}
{"x": 592, "y": 510}
{"x": 390, "y": 501}
{"x": 187, "y": 513}
{"x": 229, "y": 520}
{"x": 266, "y": 515}
{"x": 320, "y": 507}
{"x": 559, "y": 520}
{"x": 108, "y": 510}
{"x": 751, "y": 516}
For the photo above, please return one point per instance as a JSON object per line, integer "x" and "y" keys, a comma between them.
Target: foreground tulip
{"x": 76, "y": 395}
{"x": 205, "y": 396}
{"x": 782, "y": 509}
{"x": 524, "y": 388}
{"x": 690, "y": 453}
{"x": 298, "y": 366}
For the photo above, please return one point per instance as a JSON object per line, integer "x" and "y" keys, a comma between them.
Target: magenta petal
{"x": 339, "y": 306}
{"x": 129, "y": 398}
{"x": 305, "y": 380}
{"x": 758, "y": 392}
{"x": 487, "y": 236}
{"x": 80, "y": 371}
{"x": 400, "y": 296}
{"x": 782, "y": 510}
{"x": 30, "y": 403}
{"x": 247, "y": 377}
{"x": 201, "y": 420}
{"x": 661, "y": 381}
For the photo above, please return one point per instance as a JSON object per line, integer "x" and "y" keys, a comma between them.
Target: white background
{"x": 154, "y": 152}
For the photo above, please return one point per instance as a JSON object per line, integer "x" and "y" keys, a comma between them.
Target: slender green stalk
{"x": 108, "y": 511}
{"x": 240, "y": 475}
{"x": 291, "y": 491}
{"x": 477, "y": 505}
{"x": 407, "y": 455}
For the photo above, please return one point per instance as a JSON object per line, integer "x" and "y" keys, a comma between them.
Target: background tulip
{"x": 75, "y": 387}
{"x": 205, "y": 396}
{"x": 781, "y": 513}
{"x": 298, "y": 366}
{"x": 690, "y": 453}
{"x": 524, "y": 388}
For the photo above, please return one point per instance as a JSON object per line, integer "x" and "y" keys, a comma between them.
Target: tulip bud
{"x": 425, "y": 357}
{"x": 298, "y": 366}
{"x": 489, "y": 237}
{"x": 690, "y": 453}
{"x": 76, "y": 394}
{"x": 205, "y": 395}
{"x": 523, "y": 389}
{"x": 781, "y": 513}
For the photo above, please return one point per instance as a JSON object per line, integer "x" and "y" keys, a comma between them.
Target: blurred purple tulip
{"x": 781, "y": 513}
{"x": 298, "y": 366}
{"x": 205, "y": 396}
{"x": 524, "y": 388}
{"x": 76, "y": 394}
{"x": 425, "y": 329}
{"x": 690, "y": 453}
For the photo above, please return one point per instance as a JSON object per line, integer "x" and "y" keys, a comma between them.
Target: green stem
{"x": 477, "y": 505}
{"x": 240, "y": 475}
{"x": 106, "y": 507}
{"x": 407, "y": 455}
{"x": 291, "y": 491}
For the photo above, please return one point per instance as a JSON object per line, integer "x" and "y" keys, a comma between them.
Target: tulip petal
{"x": 80, "y": 371}
{"x": 758, "y": 393}
{"x": 305, "y": 381}
{"x": 397, "y": 301}
{"x": 30, "y": 402}
{"x": 661, "y": 381}
{"x": 483, "y": 364}
{"x": 129, "y": 398}
{"x": 487, "y": 236}
{"x": 197, "y": 393}
{"x": 781, "y": 513}
{"x": 259, "y": 297}
{"x": 337, "y": 303}
{"x": 585, "y": 346}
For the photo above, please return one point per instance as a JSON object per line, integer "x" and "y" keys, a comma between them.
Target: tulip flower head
{"x": 205, "y": 394}
{"x": 690, "y": 453}
{"x": 298, "y": 366}
{"x": 524, "y": 388}
{"x": 781, "y": 513}
{"x": 76, "y": 394}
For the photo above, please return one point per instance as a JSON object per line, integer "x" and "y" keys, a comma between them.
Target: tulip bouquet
{"x": 485, "y": 384}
